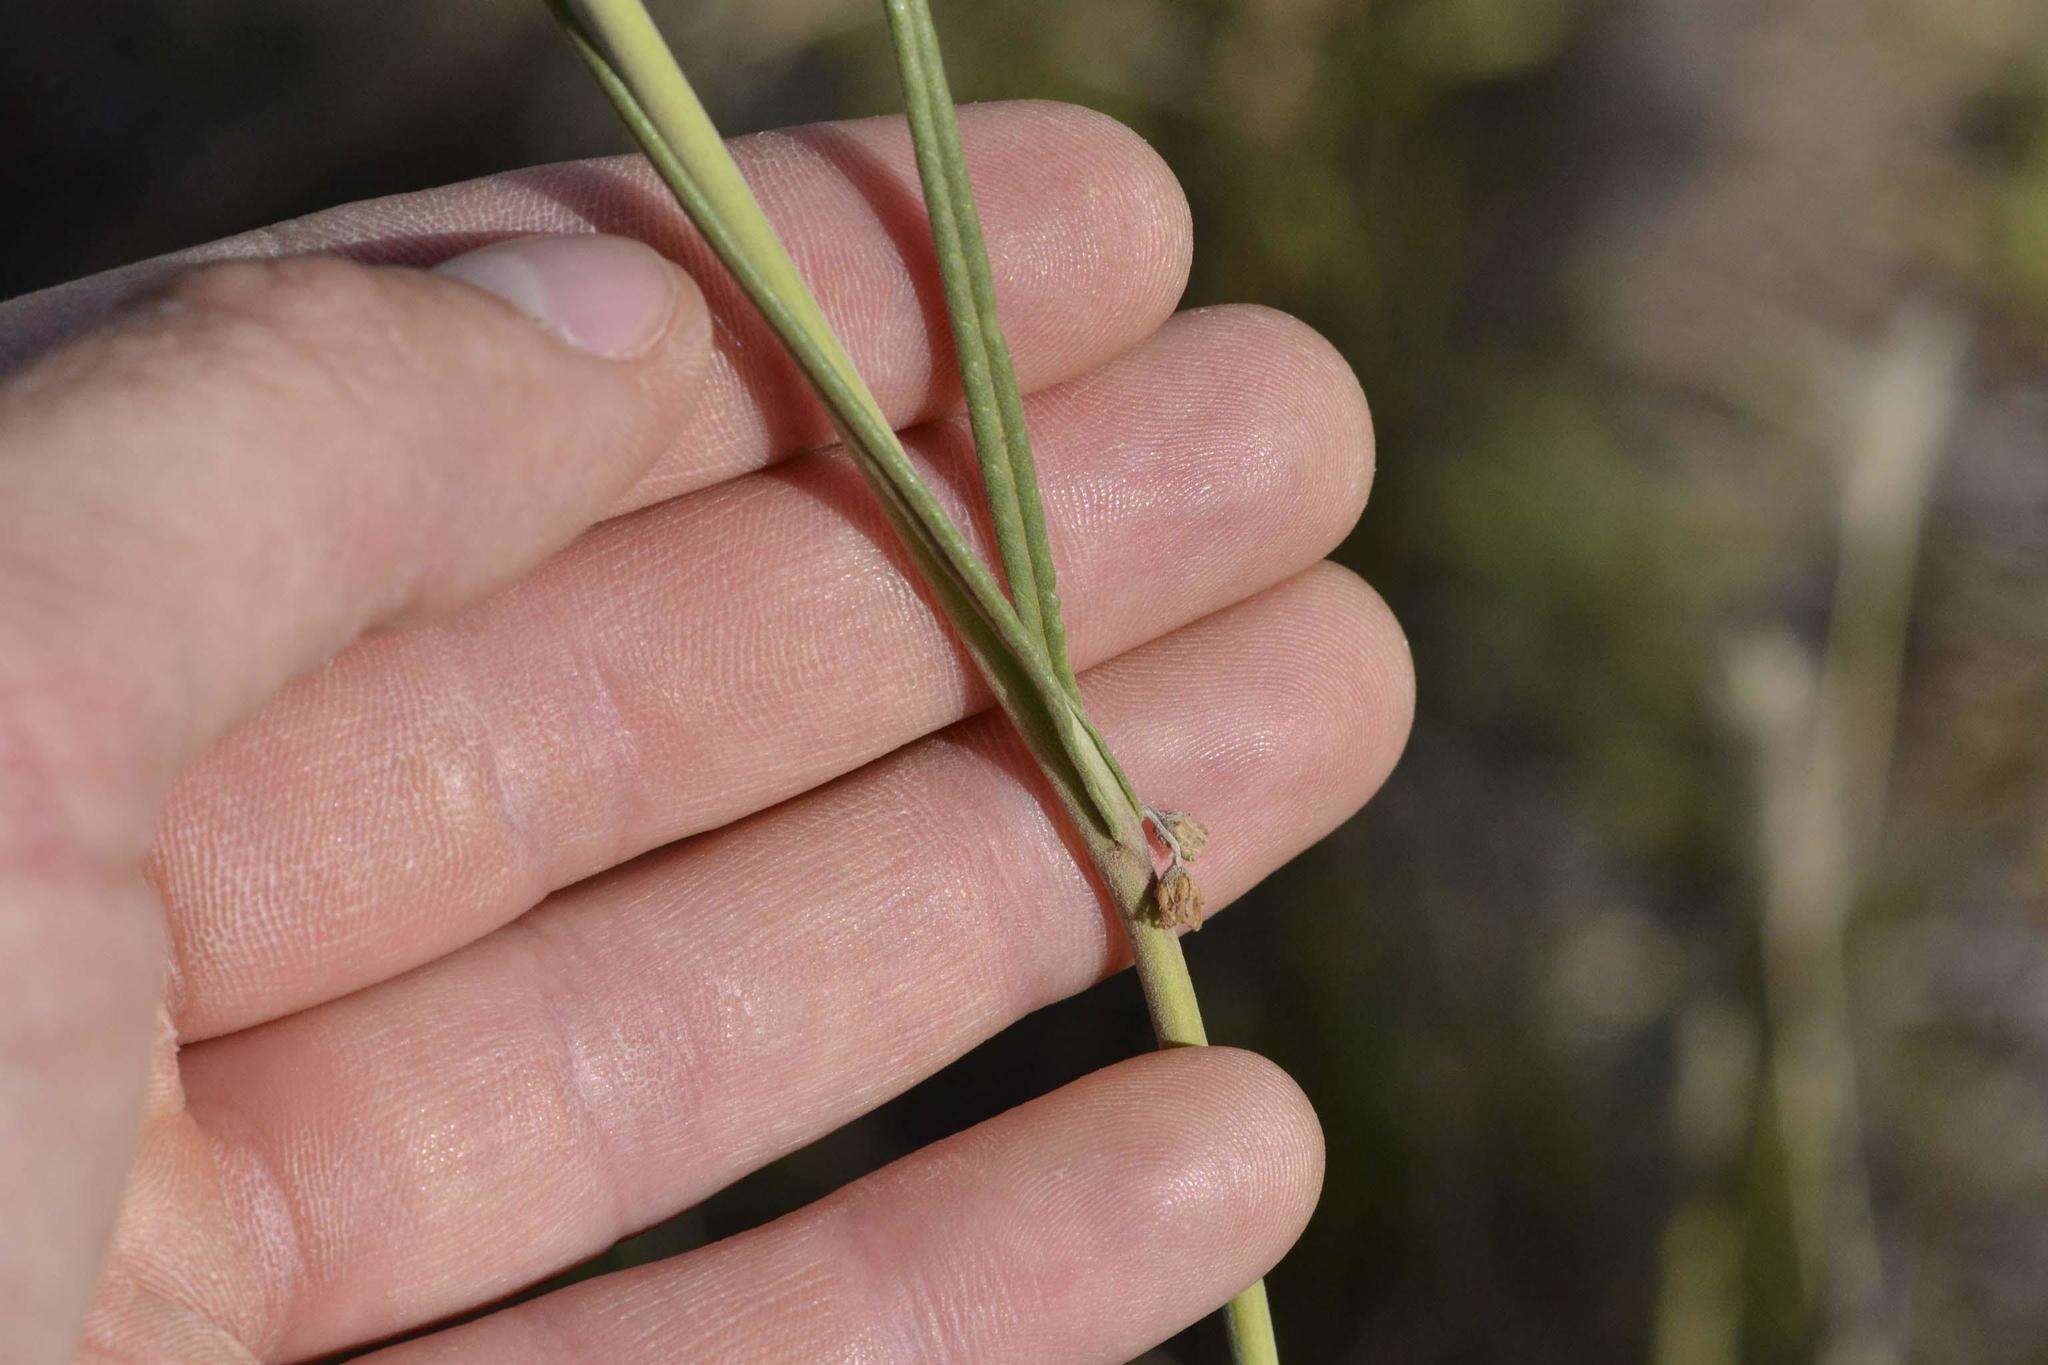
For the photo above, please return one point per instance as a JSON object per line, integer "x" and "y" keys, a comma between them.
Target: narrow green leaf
{"x": 996, "y": 413}
{"x": 976, "y": 342}
{"x": 626, "y": 54}
{"x": 995, "y": 400}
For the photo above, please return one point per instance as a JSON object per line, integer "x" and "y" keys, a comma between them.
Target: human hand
{"x": 470, "y": 789}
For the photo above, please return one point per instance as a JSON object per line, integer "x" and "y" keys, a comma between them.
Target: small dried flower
{"x": 1177, "y": 901}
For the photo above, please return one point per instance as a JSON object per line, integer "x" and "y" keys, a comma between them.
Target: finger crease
{"x": 555, "y": 988}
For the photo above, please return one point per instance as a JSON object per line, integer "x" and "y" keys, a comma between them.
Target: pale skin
{"x": 472, "y": 785}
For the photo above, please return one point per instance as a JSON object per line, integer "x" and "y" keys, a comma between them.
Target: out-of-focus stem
{"x": 1824, "y": 737}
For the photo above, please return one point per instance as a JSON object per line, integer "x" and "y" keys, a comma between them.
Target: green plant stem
{"x": 1249, "y": 1317}
{"x": 633, "y": 65}
{"x": 995, "y": 402}
{"x": 1169, "y": 990}
{"x": 1021, "y": 649}
{"x": 996, "y": 413}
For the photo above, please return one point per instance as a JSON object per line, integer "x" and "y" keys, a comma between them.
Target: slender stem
{"x": 1169, "y": 990}
{"x": 996, "y": 413}
{"x": 626, "y": 54}
{"x": 947, "y": 210}
{"x": 995, "y": 401}
{"x": 1020, "y": 648}
{"x": 1249, "y": 1317}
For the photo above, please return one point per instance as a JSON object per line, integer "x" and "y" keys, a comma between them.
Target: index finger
{"x": 1088, "y": 236}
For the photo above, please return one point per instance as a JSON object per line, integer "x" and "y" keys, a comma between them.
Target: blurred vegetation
{"x": 1631, "y": 283}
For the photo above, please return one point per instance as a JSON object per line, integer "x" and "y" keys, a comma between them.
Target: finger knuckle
{"x": 295, "y": 294}
{"x": 298, "y": 322}
{"x": 67, "y": 776}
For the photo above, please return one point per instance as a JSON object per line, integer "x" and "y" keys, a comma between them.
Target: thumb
{"x": 202, "y": 500}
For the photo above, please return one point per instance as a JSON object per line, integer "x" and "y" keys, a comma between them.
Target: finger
{"x": 1084, "y": 1226}
{"x": 640, "y": 1041}
{"x": 1088, "y": 236}
{"x": 711, "y": 656}
{"x": 233, "y": 482}
{"x": 196, "y": 504}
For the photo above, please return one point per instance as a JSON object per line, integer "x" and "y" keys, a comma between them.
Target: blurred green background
{"x": 1685, "y": 994}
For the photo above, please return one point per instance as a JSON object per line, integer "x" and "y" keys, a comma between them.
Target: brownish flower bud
{"x": 1177, "y": 901}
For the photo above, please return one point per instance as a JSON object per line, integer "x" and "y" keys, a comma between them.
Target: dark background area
{"x": 1685, "y": 994}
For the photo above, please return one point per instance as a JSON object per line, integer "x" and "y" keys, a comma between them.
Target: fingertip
{"x": 1309, "y": 699}
{"x": 1133, "y": 190}
{"x": 1374, "y": 665}
{"x": 1282, "y": 1122}
{"x": 1310, "y": 391}
{"x": 1251, "y": 1146}
{"x": 1121, "y": 240}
